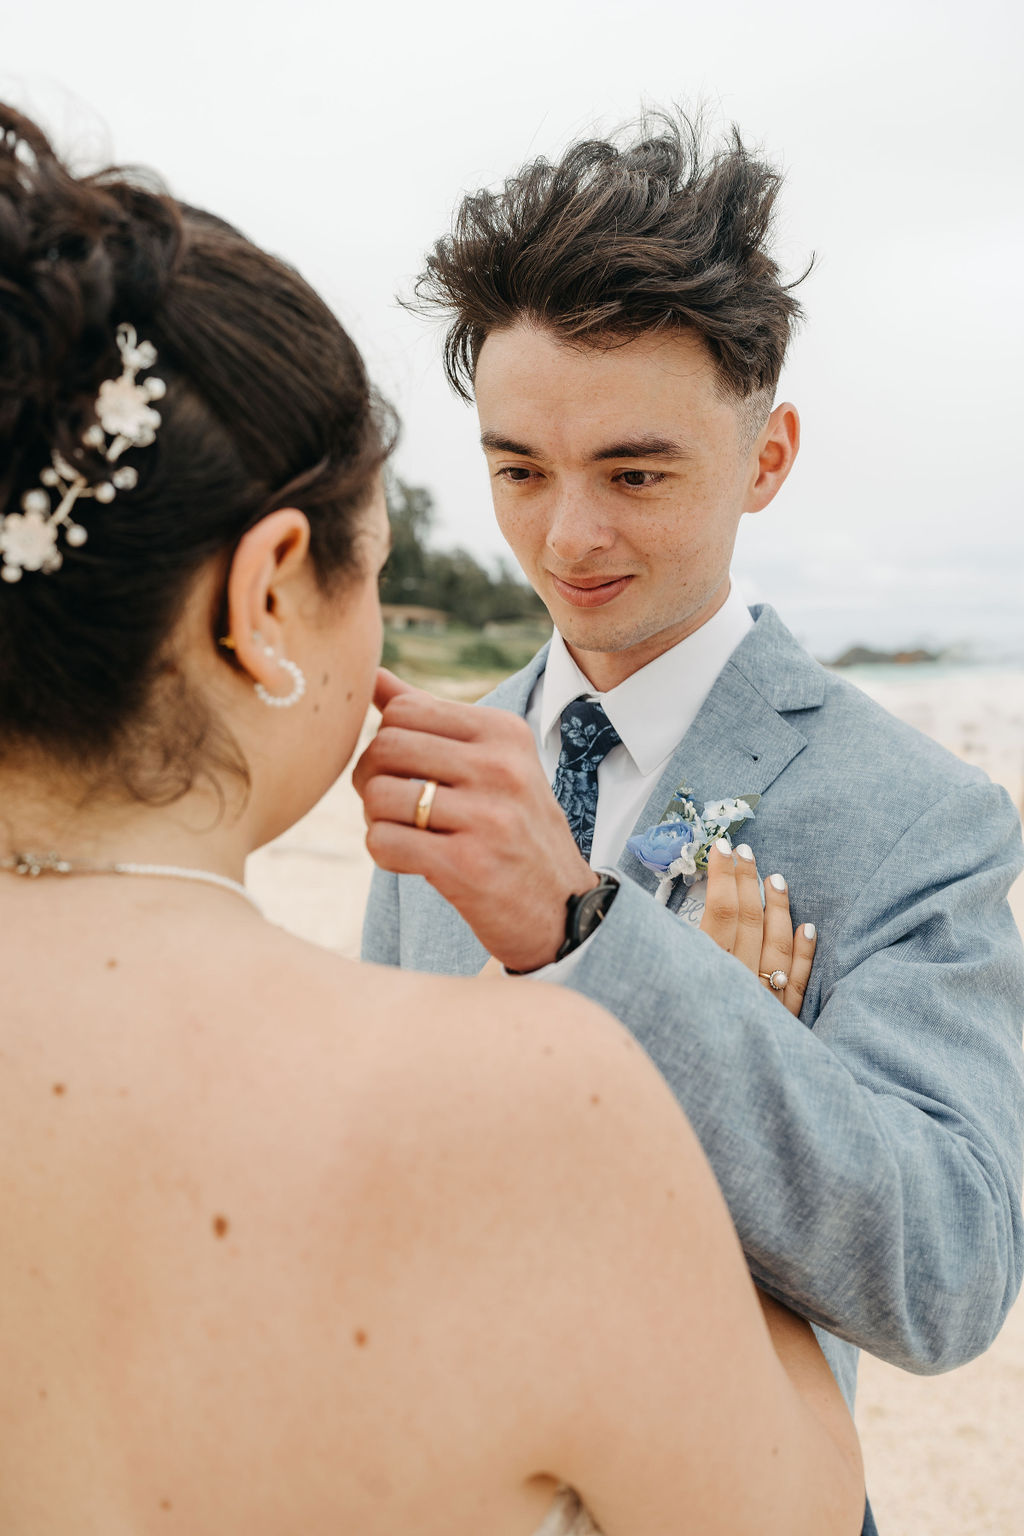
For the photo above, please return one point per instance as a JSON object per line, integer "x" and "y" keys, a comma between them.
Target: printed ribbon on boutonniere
{"x": 678, "y": 847}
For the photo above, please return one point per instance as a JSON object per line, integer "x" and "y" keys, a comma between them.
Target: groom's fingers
{"x": 427, "y": 738}
{"x": 406, "y": 851}
{"x": 395, "y": 799}
{"x": 416, "y": 710}
{"x": 421, "y": 737}
{"x": 413, "y": 755}
{"x": 388, "y": 687}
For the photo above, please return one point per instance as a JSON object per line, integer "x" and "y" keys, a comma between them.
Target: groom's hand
{"x": 497, "y": 846}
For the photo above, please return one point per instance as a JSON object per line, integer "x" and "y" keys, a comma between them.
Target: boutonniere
{"x": 678, "y": 847}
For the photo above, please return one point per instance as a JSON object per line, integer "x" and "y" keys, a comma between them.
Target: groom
{"x": 622, "y": 325}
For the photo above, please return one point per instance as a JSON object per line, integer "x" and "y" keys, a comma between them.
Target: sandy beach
{"x": 942, "y": 1453}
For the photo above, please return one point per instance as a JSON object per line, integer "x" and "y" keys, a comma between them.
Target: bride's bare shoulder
{"x": 493, "y": 1014}
{"x": 434, "y": 1049}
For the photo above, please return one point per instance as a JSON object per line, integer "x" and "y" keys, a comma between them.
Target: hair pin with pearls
{"x": 124, "y": 414}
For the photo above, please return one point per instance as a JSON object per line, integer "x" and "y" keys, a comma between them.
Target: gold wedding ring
{"x": 424, "y": 805}
{"x": 777, "y": 980}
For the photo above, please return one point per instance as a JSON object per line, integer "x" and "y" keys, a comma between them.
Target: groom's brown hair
{"x": 617, "y": 240}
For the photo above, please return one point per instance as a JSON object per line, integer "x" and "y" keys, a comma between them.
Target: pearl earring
{"x": 281, "y": 701}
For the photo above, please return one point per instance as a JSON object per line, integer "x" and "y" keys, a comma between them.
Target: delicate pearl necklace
{"x": 35, "y": 864}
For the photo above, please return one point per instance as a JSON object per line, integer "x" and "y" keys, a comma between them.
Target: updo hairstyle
{"x": 267, "y": 405}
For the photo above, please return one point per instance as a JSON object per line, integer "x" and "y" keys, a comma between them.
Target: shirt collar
{"x": 653, "y": 709}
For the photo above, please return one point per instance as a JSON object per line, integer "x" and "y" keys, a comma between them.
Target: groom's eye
{"x": 517, "y": 473}
{"x": 638, "y": 478}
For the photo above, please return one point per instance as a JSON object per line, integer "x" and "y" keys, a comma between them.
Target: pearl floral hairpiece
{"x": 28, "y": 539}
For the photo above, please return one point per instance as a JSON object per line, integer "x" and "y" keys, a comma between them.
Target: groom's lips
{"x": 590, "y": 591}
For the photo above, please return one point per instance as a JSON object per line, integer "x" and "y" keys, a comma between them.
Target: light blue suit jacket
{"x": 870, "y": 1152}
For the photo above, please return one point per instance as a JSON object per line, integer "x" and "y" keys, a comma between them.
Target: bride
{"x": 288, "y": 1243}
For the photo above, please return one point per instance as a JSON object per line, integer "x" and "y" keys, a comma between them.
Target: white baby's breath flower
{"x": 28, "y": 540}
{"x": 726, "y": 811}
{"x": 123, "y": 409}
{"x": 685, "y": 864}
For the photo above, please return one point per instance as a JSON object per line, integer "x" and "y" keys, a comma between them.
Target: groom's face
{"x": 619, "y": 477}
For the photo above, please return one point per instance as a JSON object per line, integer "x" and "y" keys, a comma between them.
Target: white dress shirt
{"x": 652, "y": 712}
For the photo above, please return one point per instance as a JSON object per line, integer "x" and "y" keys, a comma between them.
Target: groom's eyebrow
{"x": 498, "y": 444}
{"x": 647, "y": 446}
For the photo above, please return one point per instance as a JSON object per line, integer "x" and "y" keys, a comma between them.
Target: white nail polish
{"x": 810, "y": 931}
{"x": 723, "y": 847}
{"x": 744, "y": 851}
{"x": 777, "y": 882}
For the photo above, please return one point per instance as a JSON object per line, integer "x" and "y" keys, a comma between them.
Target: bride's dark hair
{"x": 267, "y": 405}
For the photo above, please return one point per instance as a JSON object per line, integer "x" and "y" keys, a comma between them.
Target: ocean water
{"x": 978, "y": 633}
{"x": 937, "y": 672}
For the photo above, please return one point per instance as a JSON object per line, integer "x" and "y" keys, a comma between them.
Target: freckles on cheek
{"x": 509, "y": 520}
{"x": 683, "y": 575}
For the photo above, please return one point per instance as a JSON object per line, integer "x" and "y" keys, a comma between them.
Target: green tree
{"x": 411, "y": 514}
{"x": 452, "y": 580}
{"x": 512, "y": 598}
{"x": 461, "y": 586}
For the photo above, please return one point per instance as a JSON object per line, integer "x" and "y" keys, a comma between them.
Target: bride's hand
{"x": 762, "y": 940}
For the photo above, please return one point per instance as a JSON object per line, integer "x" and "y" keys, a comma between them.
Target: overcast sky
{"x": 341, "y": 136}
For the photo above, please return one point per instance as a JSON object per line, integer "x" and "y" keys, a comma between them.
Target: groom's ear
{"x": 777, "y": 446}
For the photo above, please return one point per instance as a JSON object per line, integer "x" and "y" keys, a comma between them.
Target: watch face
{"x": 584, "y": 913}
{"x": 592, "y": 908}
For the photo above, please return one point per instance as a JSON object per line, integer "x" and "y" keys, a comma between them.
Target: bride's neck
{"x": 49, "y": 809}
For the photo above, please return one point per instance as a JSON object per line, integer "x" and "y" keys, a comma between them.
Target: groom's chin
{"x": 599, "y": 634}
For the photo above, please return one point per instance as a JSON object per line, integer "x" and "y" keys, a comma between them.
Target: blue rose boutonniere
{"x": 678, "y": 847}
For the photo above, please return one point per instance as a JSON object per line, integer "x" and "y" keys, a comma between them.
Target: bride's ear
{"x": 269, "y": 570}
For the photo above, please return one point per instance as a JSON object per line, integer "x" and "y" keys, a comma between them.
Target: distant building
{"x": 405, "y": 616}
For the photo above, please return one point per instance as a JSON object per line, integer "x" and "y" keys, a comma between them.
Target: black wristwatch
{"x": 585, "y": 913}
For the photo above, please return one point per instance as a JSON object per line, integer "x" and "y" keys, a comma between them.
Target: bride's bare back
{"x": 298, "y": 1245}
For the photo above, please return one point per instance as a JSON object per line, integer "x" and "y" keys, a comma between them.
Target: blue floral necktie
{"x": 587, "y": 738}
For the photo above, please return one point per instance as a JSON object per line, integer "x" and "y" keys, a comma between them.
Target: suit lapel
{"x": 739, "y": 743}
{"x": 514, "y": 693}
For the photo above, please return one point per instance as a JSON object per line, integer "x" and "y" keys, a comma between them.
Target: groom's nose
{"x": 578, "y": 526}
